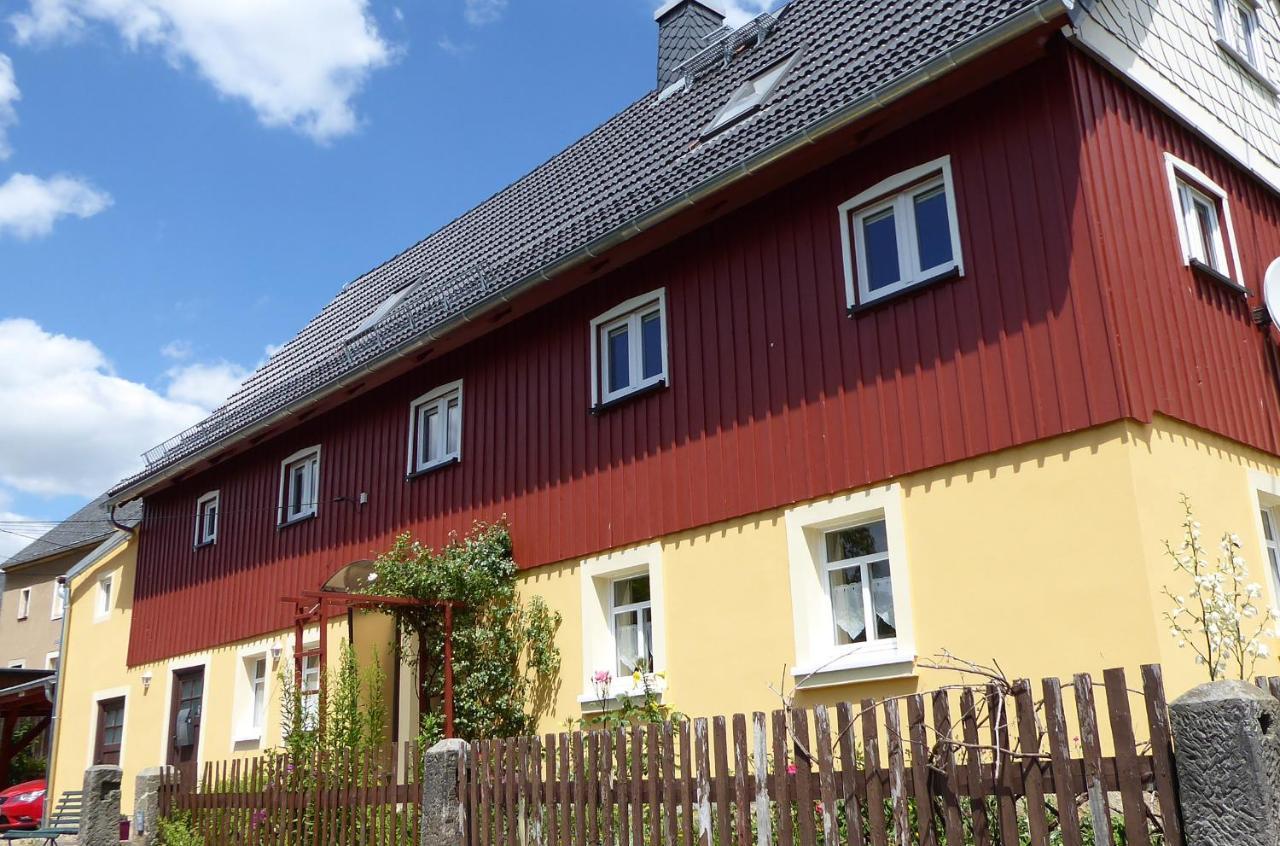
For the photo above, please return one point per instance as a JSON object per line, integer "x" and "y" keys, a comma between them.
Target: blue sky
{"x": 183, "y": 184}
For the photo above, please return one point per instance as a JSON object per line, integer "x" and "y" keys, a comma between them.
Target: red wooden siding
{"x": 776, "y": 395}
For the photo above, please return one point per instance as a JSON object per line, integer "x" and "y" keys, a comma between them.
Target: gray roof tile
{"x": 88, "y": 526}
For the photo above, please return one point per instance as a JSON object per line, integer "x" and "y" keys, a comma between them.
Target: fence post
{"x": 444, "y": 815}
{"x": 1227, "y": 740}
{"x": 146, "y": 804}
{"x": 100, "y": 817}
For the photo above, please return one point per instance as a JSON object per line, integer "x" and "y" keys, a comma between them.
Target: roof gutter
{"x": 1033, "y": 17}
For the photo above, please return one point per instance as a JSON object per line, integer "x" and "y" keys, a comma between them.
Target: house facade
{"x": 867, "y": 335}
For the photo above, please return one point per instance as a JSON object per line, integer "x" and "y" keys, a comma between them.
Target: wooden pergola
{"x": 315, "y": 607}
{"x": 28, "y": 695}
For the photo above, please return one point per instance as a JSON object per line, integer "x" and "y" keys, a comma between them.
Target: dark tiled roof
{"x": 89, "y": 526}
{"x": 644, "y": 157}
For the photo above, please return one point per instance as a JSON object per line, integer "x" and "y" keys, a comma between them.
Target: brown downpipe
{"x": 111, "y": 515}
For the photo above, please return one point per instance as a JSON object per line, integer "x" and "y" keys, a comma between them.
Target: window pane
{"x": 933, "y": 228}
{"x": 1207, "y": 223}
{"x": 619, "y": 364}
{"x": 882, "y": 600}
{"x": 631, "y": 591}
{"x": 631, "y": 635}
{"x": 847, "y": 607}
{"x": 651, "y": 344}
{"x": 298, "y": 494}
{"x": 454, "y": 413}
{"x": 880, "y": 236}
{"x": 1266, "y": 526}
{"x": 432, "y": 435}
{"x": 856, "y": 542}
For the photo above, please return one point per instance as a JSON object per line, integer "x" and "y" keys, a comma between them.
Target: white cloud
{"x": 205, "y": 385}
{"x": 82, "y": 426}
{"x": 177, "y": 350}
{"x": 453, "y": 48}
{"x": 481, "y": 12}
{"x": 16, "y": 530}
{"x": 9, "y": 94}
{"x": 30, "y": 205}
{"x": 297, "y": 64}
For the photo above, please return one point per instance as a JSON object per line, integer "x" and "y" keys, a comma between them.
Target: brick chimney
{"x": 683, "y": 27}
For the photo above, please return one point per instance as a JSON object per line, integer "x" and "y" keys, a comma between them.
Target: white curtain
{"x": 628, "y": 648}
{"x": 882, "y": 599}
{"x": 846, "y": 604}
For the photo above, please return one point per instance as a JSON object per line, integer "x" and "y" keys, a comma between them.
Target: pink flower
{"x": 602, "y": 677}
{"x": 258, "y": 818}
{"x": 791, "y": 769}
{"x": 817, "y": 806}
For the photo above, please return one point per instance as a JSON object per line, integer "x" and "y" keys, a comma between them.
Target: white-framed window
{"x": 24, "y": 603}
{"x": 629, "y": 348}
{"x": 51, "y": 660}
{"x": 749, "y": 96}
{"x": 300, "y": 485}
{"x": 58, "y": 606}
{"x": 19, "y": 664}
{"x": 311, "y": 692}
{"x": 1239, "y": 33}
{"x": 848, "y": 569}
{"x": 901, "y": 232}
{"x": 1203, "y": 213}
{"x": 631, "y": 620}
{"x": 435, "y": 428}
{"x": 380, "y": 313}
{"x": 207, "y": 513}
{"x": 1271, "y": 542}
{"x": 251, "y": 698}
{"x": 103, "y": 600}
{"x": 623, "y": 642}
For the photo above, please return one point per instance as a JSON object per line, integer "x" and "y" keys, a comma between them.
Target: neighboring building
{"x": 875, "y": 333}
{"x": 32, "y": 609}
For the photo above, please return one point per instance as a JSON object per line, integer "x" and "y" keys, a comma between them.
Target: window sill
{"x": 1217, "y": 276}
{"x": 247, "y": 736}
{"x": 868, "y": 305}
{"x": 857, "y": 665}
{"x": 429, "y": 469}
{"x": 203, "y": 544}
{"x": 1247, "y": 66}
{"x": 651, "y": 388}
{"x": 591, "y": 701}
{"x": 301, "y": 518}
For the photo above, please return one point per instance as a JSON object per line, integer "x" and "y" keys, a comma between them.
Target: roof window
{"x": 749, "y": 95}
{"x": 379, "y": 313}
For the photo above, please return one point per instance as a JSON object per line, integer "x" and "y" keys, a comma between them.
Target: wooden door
{"x": 184, "y": 720}
{"x": 106, "y": 747}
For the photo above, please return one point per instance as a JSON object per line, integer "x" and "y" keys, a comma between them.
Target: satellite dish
{"x": 1271, "y": 291}
{"x": 353, "y": 578}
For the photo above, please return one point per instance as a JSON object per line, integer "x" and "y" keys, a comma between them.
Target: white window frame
{"x": 628, "y": 313}
{"x": 1181, "y": 174}
{"x": 251, "y": 721}
{"x": 897, "y": 192}
{"x": 204, "y": 538}
{"x": 750, "y": 95}
{"x": 58, "y": 605}
{"x": 616, "y": 610}
{"x": 599, "y": 650}
{"x": 1250, "y": 49}
{"x": 820, "y": 661}
{"x": 17, "y": 664}
{"x": 24, "y": 603}
{"x": 49, "y": 658}
{"x": 310, "y": 711}
{"x": 104, "y": 597}
{"x": 437, "y": 399}
{"x": 310, "y": 455}
{"x": 1264, "y": 493}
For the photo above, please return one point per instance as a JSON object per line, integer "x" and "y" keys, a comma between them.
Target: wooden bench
{"x": 63, "y": 822}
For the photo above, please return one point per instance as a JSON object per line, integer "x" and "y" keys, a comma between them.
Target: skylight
{"x": 749, "y": 95}
{"x": 380, "y": 312}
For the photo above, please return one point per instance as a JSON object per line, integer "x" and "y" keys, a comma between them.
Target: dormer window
{"x": 750, "y": 95}
{"x": 380, "y": 313}
{"x": 299, "y": 486}
{"x": 207, "y": 519}
{"x": 435, "y": 428}
{"x": 1239, "y": 31}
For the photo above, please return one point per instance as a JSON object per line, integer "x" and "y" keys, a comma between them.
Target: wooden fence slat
{"x": 1126, "y": 754}
{"x": 655, "y": 818}
{"x": 566, "y": 799}
{"x": 606, "y": 788}
{"x": 1091, "y": 743}
{"x": 826, "y": 774}
{"x": 849, "y": 774}
{"x": 1032, "y": 775}
{"x": 536, "y": 795}
{"x": 742, "y": 820}
{"x": 579, "y": 792}
{"x": 781, "y": 795}
{"x": 951, "y": 819}
{"x": 703, "y": 753}
{"x": 591, "y": 776}
{"x": 670, "y": 799}
{"x": 920, "y": 786}
{"x": 897, "y": 773}
{"x": 722, "y": 792}
{"x": 764, "y": 822}
{"x": 1006, "y": 804}
{"x": 804, "y": 776}
{"x": 550, "y": 791}
{"x": 1162, "y": 754}
{"x": 637, "y": 786}
{"x": 1055, "y": 719}
{"x": 687, "y": 784}
{"x": 620, "y": 783}
{"x": 876, "y": 822}
{"x": 980, "y": 823}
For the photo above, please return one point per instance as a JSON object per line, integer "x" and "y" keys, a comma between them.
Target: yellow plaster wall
{"x": 1046, "y": 558}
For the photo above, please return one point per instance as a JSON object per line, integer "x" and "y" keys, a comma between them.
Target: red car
{"x": 22, "y": 806}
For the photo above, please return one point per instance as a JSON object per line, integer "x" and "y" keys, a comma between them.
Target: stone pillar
{"x": 100, "y": 819}
{"x": 1227, "y": 737}
{"x": 444, "y": 817}
{"x": 146, "y": 805}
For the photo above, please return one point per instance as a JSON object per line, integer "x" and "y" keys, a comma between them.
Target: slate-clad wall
{"x": 777, "y": 396}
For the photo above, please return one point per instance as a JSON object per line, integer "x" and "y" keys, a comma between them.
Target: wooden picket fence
{"x": 1006, "y": 769}
{"x": 373, "y": 797}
